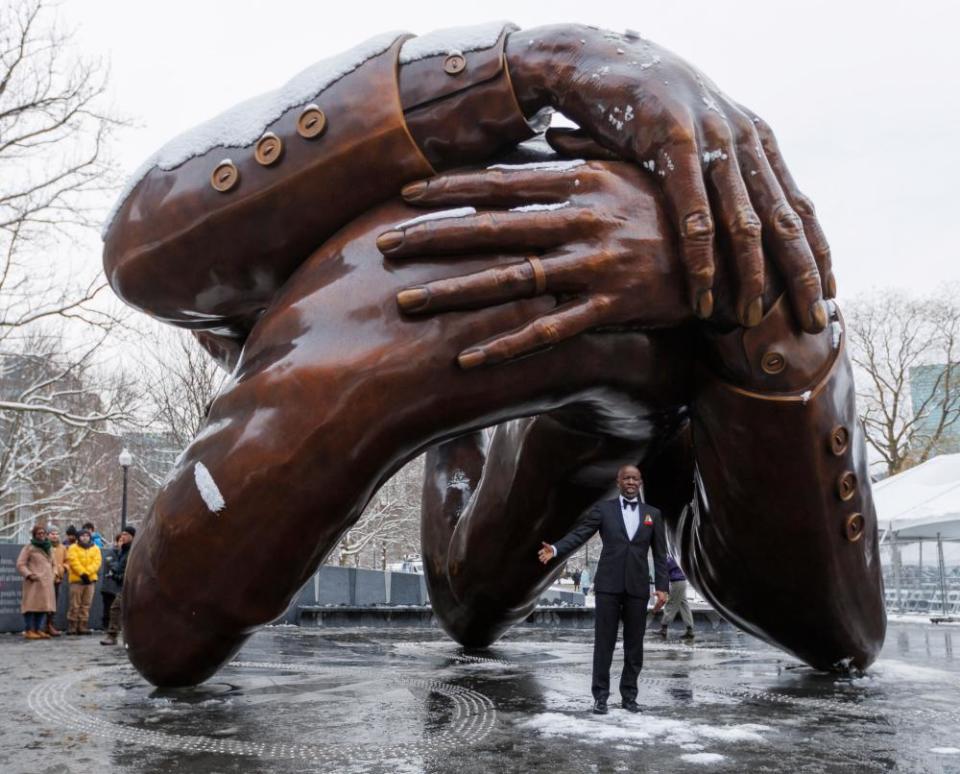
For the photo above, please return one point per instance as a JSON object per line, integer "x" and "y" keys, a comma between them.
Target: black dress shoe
{"x": 600, "y": 707}
{"x": 630, "y": 705}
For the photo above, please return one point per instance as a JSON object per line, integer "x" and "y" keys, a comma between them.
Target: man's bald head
{"x": 629, "y": 481}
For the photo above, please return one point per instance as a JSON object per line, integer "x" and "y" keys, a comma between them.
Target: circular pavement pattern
{"x": 458, "y": 716}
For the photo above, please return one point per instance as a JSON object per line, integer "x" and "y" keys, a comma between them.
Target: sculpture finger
{"x": 743, "y": 228}
{"x": 502, "y": 231}
{"x": 563, "y": 323}
{"x": 575, "y": 143}
{"x": 683, "y": 186}
{"x": 502, "y": 185}
{"x": 787, "y": 244}
{"x": 483, "y": 288}
{"x": 800, "y": 203}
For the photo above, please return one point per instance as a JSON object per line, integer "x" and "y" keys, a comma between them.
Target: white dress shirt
{"x": 631, "y": 516}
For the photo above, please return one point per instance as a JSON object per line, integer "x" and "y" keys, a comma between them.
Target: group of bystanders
{"x": 82, "y": 558}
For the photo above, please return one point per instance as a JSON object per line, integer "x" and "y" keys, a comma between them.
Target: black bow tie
{"x": 629, "y": 503}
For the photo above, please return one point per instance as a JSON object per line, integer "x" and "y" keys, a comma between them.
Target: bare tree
{"x": 390, "y": 524}
{"x": 50, "y": 448}
{"x": 905, "y": 350}
{"x": 53, "y": 169}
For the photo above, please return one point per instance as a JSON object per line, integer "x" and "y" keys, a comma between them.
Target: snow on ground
{"x": 620, "y": 728}
{"x": 703, "y": 758}
{"x": 891, "y": 670}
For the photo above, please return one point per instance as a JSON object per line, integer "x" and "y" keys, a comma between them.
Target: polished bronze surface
{"x": 346, "y": 364}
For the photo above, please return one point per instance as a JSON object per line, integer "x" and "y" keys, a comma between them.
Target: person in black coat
{"x": 629, "y": 528}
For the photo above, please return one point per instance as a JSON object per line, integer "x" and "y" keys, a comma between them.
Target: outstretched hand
{"x": 650, "y": 106}
{"x": 592, "y": 234}
{"x": 545, "y": 554}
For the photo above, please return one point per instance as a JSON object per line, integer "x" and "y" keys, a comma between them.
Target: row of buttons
{"x": 311, "y": 124}
{"x": 839, "y": 442}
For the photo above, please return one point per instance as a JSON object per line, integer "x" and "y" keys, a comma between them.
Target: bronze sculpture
{"x": 603, "y": 262}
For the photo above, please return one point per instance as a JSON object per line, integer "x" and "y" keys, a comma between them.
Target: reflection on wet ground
{"x": 412, "y": 701}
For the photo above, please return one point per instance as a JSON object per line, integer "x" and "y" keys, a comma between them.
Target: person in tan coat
{"x": 35, "y": 564}
{"x": 83, "y": 563}
{"x": 59, "y": 553}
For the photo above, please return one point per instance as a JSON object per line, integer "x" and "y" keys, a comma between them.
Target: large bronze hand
{"x": 652, "y": 107}
{"x": 598, "y": 233}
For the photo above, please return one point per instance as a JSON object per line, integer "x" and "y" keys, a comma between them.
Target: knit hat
{"x": 131, "y": 531}
{"x": 71, "y": 530}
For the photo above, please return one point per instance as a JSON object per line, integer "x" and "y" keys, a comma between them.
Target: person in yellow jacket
{"x": 83, "y": 563}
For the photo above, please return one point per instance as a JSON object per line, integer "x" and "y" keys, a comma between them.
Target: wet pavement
{"x": 373, "y": 700}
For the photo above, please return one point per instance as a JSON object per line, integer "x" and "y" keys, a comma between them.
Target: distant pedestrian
{"x": 35, "y": 564}
{"x": 109, "y": 588}
{"x": 117, "y": 572}
{"x": 71, "y": 535}
{"x": 95, "y": 536}
{"x": 678, "y": 601}
{"x": 576, "y": 579}
{"x": 585, "y": 581}
{"x": 83, "y": 563}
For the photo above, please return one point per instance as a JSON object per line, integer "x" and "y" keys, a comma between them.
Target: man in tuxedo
{"x": 628, "y": 527}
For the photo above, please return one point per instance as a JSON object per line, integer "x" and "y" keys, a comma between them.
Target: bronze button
{"x": 454, "y": 64}
{"x": 312, "y": 122}
{"x": 269, "y": 149}
{"x": 854, "y": 528}
{"x": 839, "y": 440}
{"x": 225, "y": 176}
{"x": 773, "y": 363}
{"x": 847, "y": 485}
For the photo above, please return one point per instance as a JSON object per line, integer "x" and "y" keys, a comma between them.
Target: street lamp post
{"x": 126, "y": 460}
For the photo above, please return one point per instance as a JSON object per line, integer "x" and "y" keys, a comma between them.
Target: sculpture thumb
{"x": 576, "y": 143}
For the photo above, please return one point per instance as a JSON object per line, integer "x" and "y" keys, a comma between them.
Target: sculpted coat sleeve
{"x": 221, "y": 217}
{"x": 781, "y": 465}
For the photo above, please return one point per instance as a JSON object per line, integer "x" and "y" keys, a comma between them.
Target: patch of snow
{"x": 703, "y": 758}
{"x": 459, "y": 481}
{"x": 890, "y": 670}
{"x": 540, "y": 207}
{"x": 453, "y": 39}
{"x": 456, "y": 212}
{"x": 208, "y": 488}
{"x": 836, "y": 330}
{"x": 945, "y": 750}
{"x": 549, "y": 166}
{"x": 243, "y": 124}
{"x": 713, "y": 155}
{"x": 620, "y": 727}
{"x": 649, "y": 164}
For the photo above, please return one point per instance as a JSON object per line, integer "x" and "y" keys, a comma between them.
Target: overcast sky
{"x": 864, "y": 97}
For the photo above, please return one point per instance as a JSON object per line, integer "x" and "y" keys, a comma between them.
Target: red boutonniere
{"x": 648, "y": 520}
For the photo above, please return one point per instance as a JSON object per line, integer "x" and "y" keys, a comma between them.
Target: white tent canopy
{"x": 921, "y": 503}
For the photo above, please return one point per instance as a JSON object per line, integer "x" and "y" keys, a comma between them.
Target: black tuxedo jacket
{"x": 623, "y": 562}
